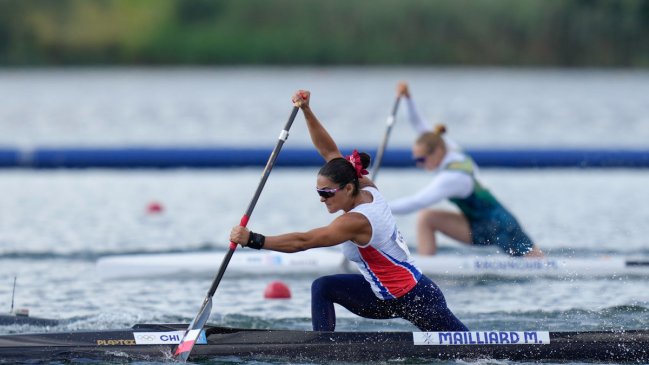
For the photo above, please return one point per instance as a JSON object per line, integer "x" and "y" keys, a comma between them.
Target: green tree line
{"x": 602, "y": 33}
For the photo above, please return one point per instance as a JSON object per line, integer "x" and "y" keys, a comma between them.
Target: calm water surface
{"x": 243, "y": 106}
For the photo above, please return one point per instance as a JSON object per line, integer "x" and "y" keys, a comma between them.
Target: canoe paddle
{"x": 13, "y": 295}
{"x": 195, "y": 327}
{"x": 384, "y": 143}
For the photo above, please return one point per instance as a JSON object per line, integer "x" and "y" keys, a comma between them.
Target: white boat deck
{"x": 247, "y": 262}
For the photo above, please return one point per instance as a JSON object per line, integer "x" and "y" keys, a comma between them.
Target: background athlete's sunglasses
{"x": 328, "y": 192}
{"x": 419, "y": 160}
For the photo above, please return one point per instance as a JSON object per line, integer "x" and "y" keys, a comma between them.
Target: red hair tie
{"x": 355, "y": 160}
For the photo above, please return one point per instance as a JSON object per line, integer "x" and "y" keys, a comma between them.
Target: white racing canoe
{"x": 323, "y": 261}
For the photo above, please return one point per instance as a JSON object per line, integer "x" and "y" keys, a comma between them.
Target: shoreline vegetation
{"x": 552, "y": 33}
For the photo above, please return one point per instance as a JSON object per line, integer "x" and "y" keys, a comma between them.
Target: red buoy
{"x": 154, "y": 208}
{"x": 277, "y": 290}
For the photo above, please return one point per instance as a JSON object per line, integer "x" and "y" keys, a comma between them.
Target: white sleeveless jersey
{"x": 385, "y": 261}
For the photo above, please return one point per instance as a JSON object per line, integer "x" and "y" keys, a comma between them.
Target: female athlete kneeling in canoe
{"x": 482, "y": 219}
{"x": 391, "y": 284}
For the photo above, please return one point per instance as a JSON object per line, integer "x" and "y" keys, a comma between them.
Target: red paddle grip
{"x": 242, "y": 223}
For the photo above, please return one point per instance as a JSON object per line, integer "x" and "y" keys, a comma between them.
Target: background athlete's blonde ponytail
{"x": 432, "y": 140}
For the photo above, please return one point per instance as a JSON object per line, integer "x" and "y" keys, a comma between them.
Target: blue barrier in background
{"x": 8, "y": 157}
{"x": 223, "y": 157}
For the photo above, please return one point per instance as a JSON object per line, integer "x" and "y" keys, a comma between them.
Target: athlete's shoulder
{"x": 460, "y": 162}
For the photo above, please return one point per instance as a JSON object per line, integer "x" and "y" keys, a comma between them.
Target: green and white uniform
{"x": 456, "y": 180}
{"x": 491, "y": 223}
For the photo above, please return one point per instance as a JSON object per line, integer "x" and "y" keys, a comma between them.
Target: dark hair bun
{"x": 365, "y": 159}
{"x": 439, "y": 129}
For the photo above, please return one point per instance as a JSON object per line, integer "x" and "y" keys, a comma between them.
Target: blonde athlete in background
{"x": 482, "y": 220}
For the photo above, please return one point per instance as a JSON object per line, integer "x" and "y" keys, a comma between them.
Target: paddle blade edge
{"x": 193, "y": 331}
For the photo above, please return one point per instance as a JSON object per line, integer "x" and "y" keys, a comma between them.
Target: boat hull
{"x": 12, "y": 319}
{"x": 156, "y": 342}
{"x": 319, "y": 262}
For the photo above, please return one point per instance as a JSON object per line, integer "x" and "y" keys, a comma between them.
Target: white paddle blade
{"x": 191, "y": 335}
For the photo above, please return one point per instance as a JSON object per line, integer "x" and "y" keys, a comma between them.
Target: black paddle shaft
{"x": 184, "y": 349}
{"x": 384, "y": 143}
{"x": 244, "y": 220}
